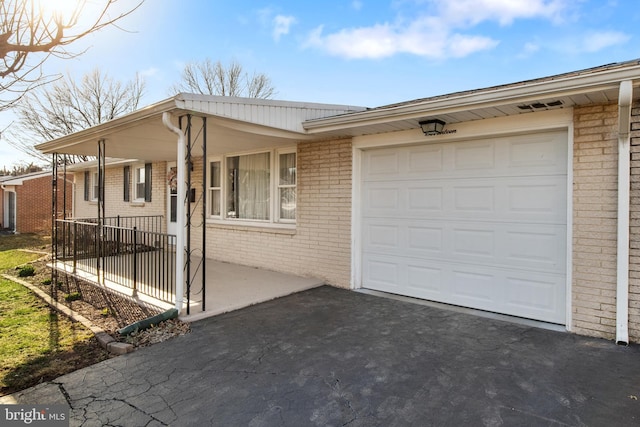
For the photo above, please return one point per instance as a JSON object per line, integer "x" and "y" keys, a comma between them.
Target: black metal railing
{"x": 141, "y": 260}
{"x": 151, "y": 223}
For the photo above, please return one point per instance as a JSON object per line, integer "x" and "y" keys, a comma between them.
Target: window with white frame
{"x": 215, "y": 188}
{"x": 95, "y": 186}
{"x": 253, "y": 187}
{"x": 139, "y": 182}
{"x": 287, "y": 186}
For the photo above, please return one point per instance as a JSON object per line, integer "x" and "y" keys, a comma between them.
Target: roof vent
{"x": 540, "y": 105}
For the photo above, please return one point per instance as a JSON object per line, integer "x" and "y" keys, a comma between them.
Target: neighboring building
{"x": 514, "y": 208}
{"x": 27, "y": 204}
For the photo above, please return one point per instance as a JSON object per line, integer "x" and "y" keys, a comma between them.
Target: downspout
{"x": 180, "y": 211}
{"x": 622, "y": 293}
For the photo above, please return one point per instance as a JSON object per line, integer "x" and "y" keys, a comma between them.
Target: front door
{"x": 172, "y": 197}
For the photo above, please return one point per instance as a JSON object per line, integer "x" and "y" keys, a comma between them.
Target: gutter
{"x": 624, "y": 183}
{"x": 181, "y": 214}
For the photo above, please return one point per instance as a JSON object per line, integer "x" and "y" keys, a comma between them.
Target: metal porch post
{"x": 101, "y": 210}
{"x": 188, "y": 203}
{"x": 204, "y": 212}
{"x": 54, "y": 225}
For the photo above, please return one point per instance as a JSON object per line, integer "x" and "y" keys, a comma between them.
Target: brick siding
{"x": 594, "y": 220}
{"x": 320, "y": 245}
{"x": 114, "y": 194}
{"x": 34, "y": 204}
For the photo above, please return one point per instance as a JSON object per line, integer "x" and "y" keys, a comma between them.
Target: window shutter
{"x": 147, "y": 182}
{"x": 126, "y": 180}
{"x": 86, "y": 185}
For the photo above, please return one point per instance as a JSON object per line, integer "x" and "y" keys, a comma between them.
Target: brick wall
{"x": 34, "y": 204}
{"x": 634, "y": 258}
{"x": 114, "y": 194}
{"x": 594, "y": 220}
{"x": 320, "y": 245}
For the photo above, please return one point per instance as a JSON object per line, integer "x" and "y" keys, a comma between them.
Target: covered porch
{"x": 228, "y": 287}
{"x": 165, "y": 265}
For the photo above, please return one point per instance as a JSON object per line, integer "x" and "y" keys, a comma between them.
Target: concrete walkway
{"x": 330, "y": 357}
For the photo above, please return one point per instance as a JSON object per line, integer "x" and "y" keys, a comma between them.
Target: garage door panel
{"x": 474, "y": 156}
{"x": 542, "y": 247}
{"x": 480, "y": 224}
{"x": 384, "y": 236}
{"x": 530, "y": 199}
{"x": 542, "y": 198}
{"x": 527, "y": 246}
{"x": 382, "y": 164}
{"x": 473, "y": 288}
{"x": 540, "y": 298}
{"x": 422, "y": 199}
{"x": 475, "y": 242}
{"x": 474, "y": 199}
{"x": 425, "y": 159}
{"x": 424, "y": 280}
{"x": 525, "y": 294}
{"x": 421, "y": 237}
{"x": 383, "y": 273}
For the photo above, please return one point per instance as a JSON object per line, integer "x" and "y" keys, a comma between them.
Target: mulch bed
{"x": 106, "y": 309}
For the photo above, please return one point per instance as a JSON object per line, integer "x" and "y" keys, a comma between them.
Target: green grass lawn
{"x": 21, "y": 241}
{"x": 36, "y": 342}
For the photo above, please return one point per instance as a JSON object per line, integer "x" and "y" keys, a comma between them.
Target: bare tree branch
{"x": 33, "y": 30}
{"x": 209, "y": 78}
{"x": 68, "y": 106}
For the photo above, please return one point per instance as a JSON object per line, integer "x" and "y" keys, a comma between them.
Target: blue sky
{"x": 360, "y": 52}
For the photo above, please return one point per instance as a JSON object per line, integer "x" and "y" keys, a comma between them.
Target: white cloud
{"x": 441, "y": 31}
{"x": 589, "y": 42}
{"x": 424, "y": 37}
{"x": 596, "y": 41}
{"x": 529, "y": 49}
{"x": 472, "y": 12}
{"x": 281, "y": 25}
{"x": 149, "y": 72}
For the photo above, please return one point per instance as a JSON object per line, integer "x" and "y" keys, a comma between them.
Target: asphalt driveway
{"x": 330, "y": 357}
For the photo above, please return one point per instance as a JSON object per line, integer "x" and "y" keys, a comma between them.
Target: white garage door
{"x": 480, "y": 224}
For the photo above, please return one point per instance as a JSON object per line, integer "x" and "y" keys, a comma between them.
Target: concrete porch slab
{"x": 231, "y": 287}
{"x": 228, "y": 287}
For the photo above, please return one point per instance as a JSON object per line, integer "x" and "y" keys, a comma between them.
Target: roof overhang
{"x": 232, "y": 125}
{"x": 593, "y": 86}
{"x": 241, "y": 124}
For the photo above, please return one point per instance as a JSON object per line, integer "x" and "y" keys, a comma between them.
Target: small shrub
{"x": 74, "y": 296}
{"x": 105, "y": 312}
{"x": 26, "y": 271}
{"x": 46, "y": 282}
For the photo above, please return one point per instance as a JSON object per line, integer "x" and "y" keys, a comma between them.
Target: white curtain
{"x": 254, "y": 186}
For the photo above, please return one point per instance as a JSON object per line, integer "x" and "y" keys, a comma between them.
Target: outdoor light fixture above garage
{"x": 432, "y": 126}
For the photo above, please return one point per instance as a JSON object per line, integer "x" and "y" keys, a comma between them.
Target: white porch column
{"x": 180, "y": 211}
{"x": 624, "y": 182}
